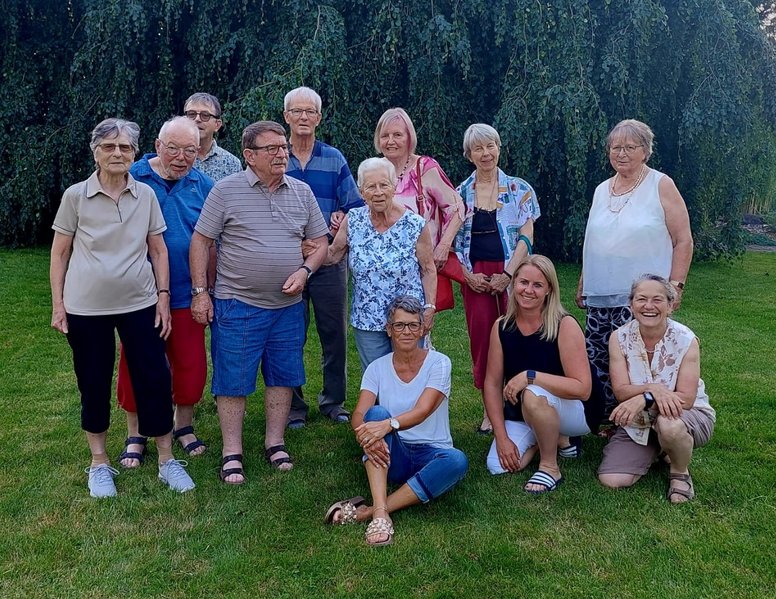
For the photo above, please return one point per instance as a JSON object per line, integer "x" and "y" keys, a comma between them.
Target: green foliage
{"x": 553, "y": 77}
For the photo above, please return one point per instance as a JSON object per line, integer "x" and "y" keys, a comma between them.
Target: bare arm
{"x": 157, "y": 252}
{"x": 500, "y": 281}
{"x": 678, "y": 224}
{"x": 339, "y": 247}
{"x": 199, "y": 251}
{"x": 428, "y": 274}
{"x": 580, "y": 299}
{"x": 296, "y": 281}
{"x": 492, "y": 391}
{"x": 61, "y": 249}
{"x": 449, "y": 201}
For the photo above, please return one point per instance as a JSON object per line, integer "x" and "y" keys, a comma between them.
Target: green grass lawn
{"x": 486, "y": 538}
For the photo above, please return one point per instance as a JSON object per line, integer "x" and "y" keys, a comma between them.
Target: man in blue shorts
{"x": 260, "y": 217}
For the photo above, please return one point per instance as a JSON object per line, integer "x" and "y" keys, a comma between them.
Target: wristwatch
{"x": 308, "y": 269}
{"x": 197, "y": 290}
{"x": 678, "y": 284}
{"x": 394, "y": 424}
{"x": 531, "y": 375}
{"x": 649, "y": 399}
{"x": 429, "y": 307}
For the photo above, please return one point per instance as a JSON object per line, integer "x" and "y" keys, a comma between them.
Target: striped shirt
{"x": 260, "y": 234}
{"x": 328, "y": 175}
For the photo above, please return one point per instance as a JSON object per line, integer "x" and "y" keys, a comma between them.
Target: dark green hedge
{"x": 553, "y": 77}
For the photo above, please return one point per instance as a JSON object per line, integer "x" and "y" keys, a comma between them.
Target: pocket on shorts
{"x": 225, "y": 308}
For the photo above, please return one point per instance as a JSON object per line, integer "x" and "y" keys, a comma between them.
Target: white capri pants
{"x": 572, "y": 424}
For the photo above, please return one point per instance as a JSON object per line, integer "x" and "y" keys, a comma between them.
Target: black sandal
{"x": 270, "y": 451}
{"x": 134, "y": 455}
{"x": 223, "y": 473}
{"x": 196, "y": 444}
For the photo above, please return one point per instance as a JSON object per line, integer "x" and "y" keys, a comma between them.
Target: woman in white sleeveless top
{"x": 663, "y": 406}
{"x": 638, "y": 224}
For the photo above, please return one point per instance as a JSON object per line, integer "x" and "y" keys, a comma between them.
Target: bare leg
{"x": 545, "y": 422}
{"x": 164, "y": 447}
{"x": 277, "y": 404}
{"x": 486, "y": 425}
{"x": 231, "y": 413}
{"x": 97, "y": 448}
{"x": 677, "y": 442}
{"x": 132, "y": 431}
{"x": 184, "y": 416}
{"x": 383, "y": 505}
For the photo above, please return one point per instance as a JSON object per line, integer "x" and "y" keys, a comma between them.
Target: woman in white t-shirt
{"x": 401, "y": 421}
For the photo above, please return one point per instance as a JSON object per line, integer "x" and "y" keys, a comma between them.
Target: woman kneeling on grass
{"x": 655, "y": 370}
{"x": 538, "y": 379}
{"x": 406, "y": 438}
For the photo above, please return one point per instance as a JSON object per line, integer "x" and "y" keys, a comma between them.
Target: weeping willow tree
{"x": 552, "y": 77}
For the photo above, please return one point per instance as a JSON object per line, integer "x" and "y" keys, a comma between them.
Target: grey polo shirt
{"x": 109, "y": 271}
{"x": 260, "y": 234}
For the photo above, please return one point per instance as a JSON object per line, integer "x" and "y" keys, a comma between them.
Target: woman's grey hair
{"x": 667, "y": 287}
{"x": 479, "y": 133}
{"x": 409, "y": 304}
{"x": 377, "y": 164}
{"x": 302, "y": 93}
{"x": 634, "y": 129}
{"x": 112, "y": 128}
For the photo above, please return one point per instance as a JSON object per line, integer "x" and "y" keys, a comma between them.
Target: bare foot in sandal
{"x": 680, "y": 488}
{"x": 380, "y": 529}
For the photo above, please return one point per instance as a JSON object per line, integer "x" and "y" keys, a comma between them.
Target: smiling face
{"x": 377, "y": 190}
{"x": 406, "y": 339}
{"x": 484, "y": 154}
{"x": 650, "y": 304}
{"x": 531, "y": 287}
{"x": 114, "y": 155}
{"x": 627, "y": 155}
{"x": 394, "y": 140}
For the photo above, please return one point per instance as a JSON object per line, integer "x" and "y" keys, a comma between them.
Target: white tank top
{"x": 622, "y": 246}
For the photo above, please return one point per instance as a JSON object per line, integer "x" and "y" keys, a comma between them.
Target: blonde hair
{"x": 394, "y": 114}
{"x": 552, "y": 310}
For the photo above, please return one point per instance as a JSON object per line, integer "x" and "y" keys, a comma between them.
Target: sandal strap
{"x": 379, "y": 526}
{"x": 186, "y": 430}
{"x": 136, "y": 441}
{"x": 274, "y": 449}
{"x": 235, "y": 457}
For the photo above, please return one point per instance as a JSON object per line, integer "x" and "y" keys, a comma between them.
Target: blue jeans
{"x": 371, "y": 345}
{"x": 429, "y": 471}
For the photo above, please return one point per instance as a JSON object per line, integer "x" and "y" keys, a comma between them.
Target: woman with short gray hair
{"x": 102, "y": 281}
{"x": 496, "y": 235}
{"x": 390, "y": 253}
{"x": 402, "y": 423}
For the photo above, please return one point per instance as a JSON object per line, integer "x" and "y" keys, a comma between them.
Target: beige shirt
{"x": 109, "y": 271}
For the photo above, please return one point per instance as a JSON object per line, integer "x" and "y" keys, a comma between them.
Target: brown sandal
{"x": 348, "y": 509}
{"x": 673, "y": 490}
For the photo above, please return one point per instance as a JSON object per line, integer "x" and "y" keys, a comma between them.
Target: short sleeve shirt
{"x": 109, "y": 271}
{"x": 398, "y": 397}
{"x": 260, "y": 234}
{"x": 218, "y": 163}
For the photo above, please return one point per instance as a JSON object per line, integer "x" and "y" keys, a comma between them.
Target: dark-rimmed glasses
{"x": 272, "y": 149}
{"x": 398, "y": 327}
{"x": 203, "y": 115}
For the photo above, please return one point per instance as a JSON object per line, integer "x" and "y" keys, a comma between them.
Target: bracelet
{"x": 429, "y": 307}
{"x": 504, "y": 272}
{"x": 527, "y": 242}
{"x": 161, "y": 291}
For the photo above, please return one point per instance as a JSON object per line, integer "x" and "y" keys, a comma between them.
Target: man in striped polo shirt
{"x": 260, "y": 217}
{"x": 326, "y": 171}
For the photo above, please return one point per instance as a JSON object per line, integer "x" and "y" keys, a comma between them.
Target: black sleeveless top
{"x": 526, "y": 352}
{"x": 530, "y": 352}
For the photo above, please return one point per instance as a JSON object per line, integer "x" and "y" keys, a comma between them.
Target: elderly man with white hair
{"x": 181, "y": 190}
{"x": 326, "y": 171}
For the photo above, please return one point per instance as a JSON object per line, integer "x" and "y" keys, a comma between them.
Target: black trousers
{"x": 93, "y": 341}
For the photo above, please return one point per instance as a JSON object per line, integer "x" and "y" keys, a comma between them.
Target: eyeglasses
{"x": 382, "y": 186}
{"x": 189, "y": 151}
{"x": 628, "y": 149}
{"x": 110, "y": 148}
{"x": 297, "y": 112}
{"x": 203, "y": 115}
{"x": 398, "y": 327}
{"x": 272, "y": 149}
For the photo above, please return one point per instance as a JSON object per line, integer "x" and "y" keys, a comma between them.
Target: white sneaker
{"x": 173, "y": 474}
{"x": 100, "y": 480}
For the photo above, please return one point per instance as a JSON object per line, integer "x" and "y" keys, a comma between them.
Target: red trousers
{"x": 482, "y": 310}
{"x": 185, "y": 349}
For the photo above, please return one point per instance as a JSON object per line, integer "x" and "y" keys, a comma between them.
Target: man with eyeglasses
{"x": 213, "y": 160}
{"x": 181, "y": 190}
{"x": 260, "y": 216}
{"x": 326, "y": 171}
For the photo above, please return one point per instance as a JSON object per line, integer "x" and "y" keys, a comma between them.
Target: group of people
{"x": 184, "y": 238}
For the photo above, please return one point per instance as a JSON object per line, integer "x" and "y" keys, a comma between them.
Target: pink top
{"x": 440, "y": 200}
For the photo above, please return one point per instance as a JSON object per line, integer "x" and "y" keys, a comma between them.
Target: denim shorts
{"x": 242, "y": 336}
